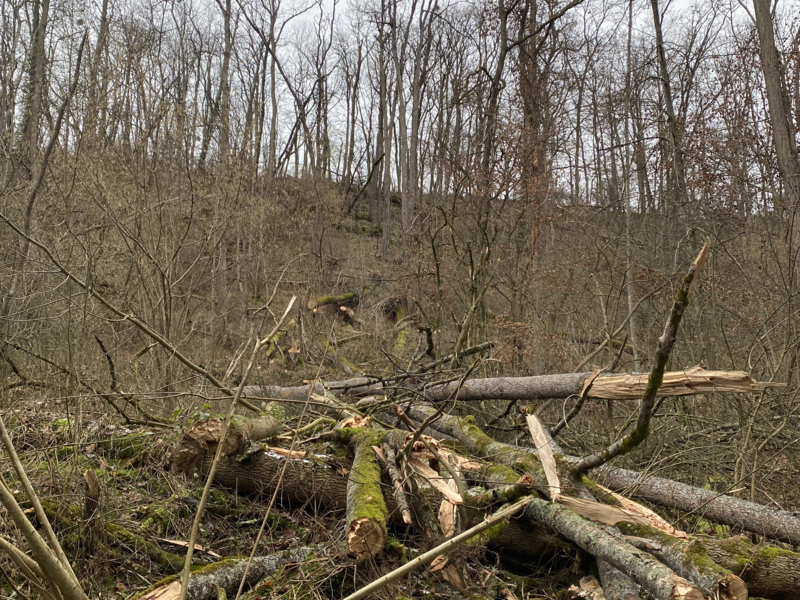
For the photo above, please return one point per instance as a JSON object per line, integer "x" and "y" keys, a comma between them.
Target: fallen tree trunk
{"x": 205, "y": 583}
{"x": 689, "y": 559}
{"x": 770, "y": 522}
{"x": 605, "y": 386}
{"x": 768, "y": 572}
{"x": 655, "y": 577}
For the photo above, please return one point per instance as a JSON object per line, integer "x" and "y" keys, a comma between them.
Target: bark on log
{"x": 769, "y": 522}
{"x": 606, "y": 386}
{"x": 689, "y": 559}
{"x": 227, "y": 575}
{"x": 769, "y": 572}
{"x": 616, "y": 585}
{"x": 656, "y": 578}
{"x": 366, "y": 508}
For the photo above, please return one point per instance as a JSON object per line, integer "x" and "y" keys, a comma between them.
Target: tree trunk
{"x": 780, "y": 114}
{"x": 605, "y": 386}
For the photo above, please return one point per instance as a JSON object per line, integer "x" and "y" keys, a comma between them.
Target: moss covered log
{"x": 226, "y": 575}
{"x": 689, "y": 559}
{"x": 349, "y": 298}
{"x": 769, "y": 572}
{"x": 366, "y": 507}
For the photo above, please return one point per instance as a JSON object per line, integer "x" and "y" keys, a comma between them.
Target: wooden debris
{"x": 545, "y": 456}
{"x": 654, "y": 519}
{"x": 601, "y": 513}
{"x": 434, "y": 479}
{"x": 678, "y": 383}
{"x": 387, "y": 455}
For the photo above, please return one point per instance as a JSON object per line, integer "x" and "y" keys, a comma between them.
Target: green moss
{"x": 488, "y": 535}
{"x": 364, "y": 489}
{"x": 500, "y": 474}
{"x": 400, "y": 340}
{"x": 745, "y": 553}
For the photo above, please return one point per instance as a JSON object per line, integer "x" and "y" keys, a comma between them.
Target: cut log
{"x": 689, "y": 559}
{"x": 226, "y": 575}
{"x": 366, "y": 508}
{"x": 657, "y": 579}
{"x": 346, "y": 298}
{"x": 203, "y": 438}
{"x": 773, "y": 523}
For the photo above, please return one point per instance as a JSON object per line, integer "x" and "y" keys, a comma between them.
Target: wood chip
{"x": 171, "y": 591}
{"x": 379, "y": 451}
{"x": 545, "y": 456}
{"x": 678, "y": 383}
{"x": 601, "y": 513}
{"x": 184, "y": 544}
{"x": 653, "y": 519}
{"x": 434, "y": 479}
{"x": 354, "y": 422}
{"x": 285, "y": 452}
{"x": 448, "y": 514}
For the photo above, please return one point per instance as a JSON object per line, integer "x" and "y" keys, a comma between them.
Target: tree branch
{"x": 663, "y": 351}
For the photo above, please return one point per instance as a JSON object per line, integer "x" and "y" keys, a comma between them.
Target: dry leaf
{"x": 438, "y": 563}
{"x": 171, "y": 591}
{"x": 451, "y": 575}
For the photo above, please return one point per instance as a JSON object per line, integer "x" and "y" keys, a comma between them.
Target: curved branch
{"x": 665, "y": 344}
